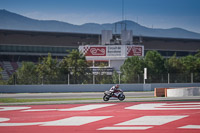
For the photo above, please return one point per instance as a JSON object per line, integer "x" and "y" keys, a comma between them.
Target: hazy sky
{"x": 150, "y": 13}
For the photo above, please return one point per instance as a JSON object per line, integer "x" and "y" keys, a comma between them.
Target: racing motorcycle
{"x": 118, "y": 94}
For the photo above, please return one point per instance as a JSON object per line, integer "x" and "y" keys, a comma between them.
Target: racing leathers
{"x": 113, "y": 90}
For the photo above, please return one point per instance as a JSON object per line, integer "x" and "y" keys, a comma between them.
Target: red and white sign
{"x": 94, "y": 51}
{"x": 124, "y": 117}
{"x": 134, "y": 51}
{"x": 112, "y": 50}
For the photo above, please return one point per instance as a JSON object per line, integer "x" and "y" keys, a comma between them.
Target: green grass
{"x": 142, "y": 97}
{"x": 13, "y": 100}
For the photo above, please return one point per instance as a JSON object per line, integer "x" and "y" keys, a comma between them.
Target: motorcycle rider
{"x": 114, "y": 89}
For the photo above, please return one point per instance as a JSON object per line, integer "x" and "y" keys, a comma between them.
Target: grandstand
{"x": 9, "y": 68}
{"x": 17, "y": 46}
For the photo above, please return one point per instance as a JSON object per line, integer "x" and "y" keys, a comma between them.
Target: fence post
{"x": 68, "y": 79}
{"x": 168, "y": 78}
{"x": 93, "y": 79}
{"x": 138, "y": 78}
{"x": 191, "y": 77}
{"x": 15, "y": 78}
{"x": 145, "y": 74}
{"x": 119, "y": 78}
{"x": 42, "y": 80}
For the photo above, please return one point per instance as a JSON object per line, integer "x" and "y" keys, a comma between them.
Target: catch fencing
{"x": 106, "y": 79}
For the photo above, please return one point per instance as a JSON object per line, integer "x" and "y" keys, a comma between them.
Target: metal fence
{"x": 106, "y": 79}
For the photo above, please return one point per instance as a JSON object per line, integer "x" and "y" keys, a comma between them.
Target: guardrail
{"x": 87, "y": 87}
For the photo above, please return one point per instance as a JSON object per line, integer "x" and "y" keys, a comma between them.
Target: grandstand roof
{"x": 18, "y": 37}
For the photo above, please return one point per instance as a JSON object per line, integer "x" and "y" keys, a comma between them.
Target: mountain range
{"x": 13, "y": 21}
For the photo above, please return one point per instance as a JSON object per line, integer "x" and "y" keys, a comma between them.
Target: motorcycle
{"x": 118, "y": 94}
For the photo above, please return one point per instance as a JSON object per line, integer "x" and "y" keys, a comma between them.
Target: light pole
{"x": 145, "y": 74}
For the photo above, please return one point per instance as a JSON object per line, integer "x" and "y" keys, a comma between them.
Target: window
{"x": 90, "y": 63}
{"x": 101, "y": 63}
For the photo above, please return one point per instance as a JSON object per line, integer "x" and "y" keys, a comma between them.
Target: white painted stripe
{"x": 163, "y": 106}
{"x": 148, "y": 106}
{"x": 80, "y": 108}
{"x": 21, "y": 124}
{"x": 125, "y": 128}
{"x": 4, "y": 119}
{"x": 75, "y": 121}
{"x": 186, "y": 103}
{"x": 35, "y": 110}
{"x": 87, "y": 107}
{"x": 12, "y": 108}
{"x": 182, "y": 106}
{"x": 72, "y": 121}
{"x": 190, "y": 127}
{"x": 152, "y": 120}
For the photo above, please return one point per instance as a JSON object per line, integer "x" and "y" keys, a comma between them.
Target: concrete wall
{"x": 86, "y": 88}
{"x": 183, "y": 92}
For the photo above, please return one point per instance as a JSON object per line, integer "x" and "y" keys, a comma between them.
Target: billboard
{"x": 115, "y": 50}
{"x": 95, "y": 51}
{"x": 134, "y": 51}
{"x": 112, "y": 50}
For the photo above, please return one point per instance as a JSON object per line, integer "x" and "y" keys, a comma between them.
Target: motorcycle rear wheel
{"x": 106, "y": 97}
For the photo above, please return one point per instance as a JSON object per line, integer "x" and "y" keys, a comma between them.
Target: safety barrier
{"x": 160, "y": 92}
{"x": 87, "y": 87}
{"x": 183, "y": 92}
{"x": 177, "y": 92}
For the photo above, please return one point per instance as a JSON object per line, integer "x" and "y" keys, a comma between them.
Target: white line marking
{"x": 87, "y": 107}
{"x": 163, "y": 106}
{"x": 4, "y": 119}
{"x": 12, "y": 108}
{"x": 152, "y": 120}
{"x": 20, "y": 124}
{"x": 80, "y": 108}
{"x": 190, "y": 127}
{"x": 148, "y": 106}
{"x": 35, "y": 110}
{"x": 125, "y": 128}
{"x": 186, "y": 103}
{"x": 72, "y": 121}
{"x": 76, "y": 121}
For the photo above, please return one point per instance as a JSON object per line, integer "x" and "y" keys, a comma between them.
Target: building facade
{"x": 17, "y": 46}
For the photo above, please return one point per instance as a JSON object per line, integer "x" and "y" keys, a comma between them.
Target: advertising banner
{"x": 93, "y": 50}
{"x": 134, "y": 51}
{"x": 112, "y": 50}
{"x": 115, "y": 50}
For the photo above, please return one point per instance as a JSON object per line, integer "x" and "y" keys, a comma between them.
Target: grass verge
{"x": 13, "y": 100}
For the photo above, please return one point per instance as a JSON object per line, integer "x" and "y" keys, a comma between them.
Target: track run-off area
{"x": 144, "y": 117}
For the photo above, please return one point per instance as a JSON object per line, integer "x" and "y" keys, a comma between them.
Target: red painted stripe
{"x": 116, "y": 118}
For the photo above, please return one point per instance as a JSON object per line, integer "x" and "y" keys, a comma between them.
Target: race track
{"x": 70, "y": 95}
{"x": 126, "y": 117}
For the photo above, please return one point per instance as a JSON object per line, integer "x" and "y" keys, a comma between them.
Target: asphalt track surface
{"x": 71, "y": 95}
{"x": 130, "y": 97}
{"x": 118, "y": 117}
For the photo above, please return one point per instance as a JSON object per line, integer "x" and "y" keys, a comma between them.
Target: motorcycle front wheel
{"x": 106, "y": 97}
{"x": 121, "y": 97}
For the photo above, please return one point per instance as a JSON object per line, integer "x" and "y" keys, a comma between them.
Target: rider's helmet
{"x": 117, "y": 86}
